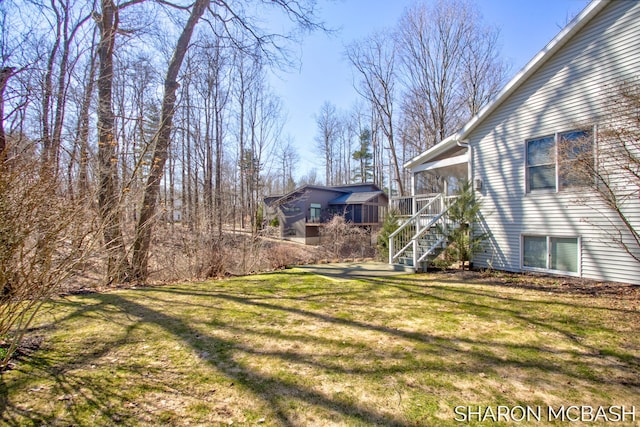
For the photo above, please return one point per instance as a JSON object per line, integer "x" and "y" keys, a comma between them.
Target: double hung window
{"x": 560, "y": 161}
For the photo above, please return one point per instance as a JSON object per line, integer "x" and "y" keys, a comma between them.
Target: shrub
{"x": 389, "y": 225}
{"x": 463, "y": 240}
{"x": 44, "y": 236}
{"x": 341, "y": 239}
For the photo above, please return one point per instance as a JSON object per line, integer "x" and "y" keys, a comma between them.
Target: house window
{"x": 558, "y": 254}
{"x": 314, "y": 212}
{"x": 575, "y": 154}
{"x": 541, "y": 164}
{"x": 559, "y": 161}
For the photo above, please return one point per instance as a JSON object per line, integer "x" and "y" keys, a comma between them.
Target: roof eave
{"x": 532, "y": 66}
{"x": 434, "y": 151}
{"x": 535, "y": 63}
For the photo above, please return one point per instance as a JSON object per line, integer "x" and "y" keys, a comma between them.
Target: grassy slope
{"x": 296, "y": 349}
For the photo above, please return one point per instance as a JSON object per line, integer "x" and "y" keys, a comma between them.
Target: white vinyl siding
{"x": 566, "y": 93}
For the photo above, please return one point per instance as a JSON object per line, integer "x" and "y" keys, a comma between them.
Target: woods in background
{"x": 159, "y": 119}
{"x": 152, "y": 114}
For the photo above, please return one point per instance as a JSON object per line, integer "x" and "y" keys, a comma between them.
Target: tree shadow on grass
{"x": 69, "y": 387}
{"x": 491, "y": 305}
{"x": 485, "y": 304}
{"x": 447, "y": 347}
{"x": 269, "y": 388}
{"x": 440, "y": 354}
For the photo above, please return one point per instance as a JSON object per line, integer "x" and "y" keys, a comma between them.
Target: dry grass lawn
{"x": 295, "y": 349}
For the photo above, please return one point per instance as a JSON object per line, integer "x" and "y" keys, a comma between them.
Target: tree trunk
{"x": 5, "y": 74}
{"x": 82, "y": 131}
{"x": 108, "y": 198}
{"x": 147, "y": 213}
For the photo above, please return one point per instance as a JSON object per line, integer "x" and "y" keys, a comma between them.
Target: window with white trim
{"x": 553, "y": 253}
{"x": 559, "y": 161}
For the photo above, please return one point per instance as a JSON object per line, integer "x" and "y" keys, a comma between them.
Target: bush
{"x": 389, "y": 225}
{"x": 463, "y": 241}
{"x": 341, "y": 239}
{"x": 44, "y": 236}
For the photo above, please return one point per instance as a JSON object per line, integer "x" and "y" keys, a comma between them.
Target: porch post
{"x": 445, "y": 193}
{"x": 414, "y": 204}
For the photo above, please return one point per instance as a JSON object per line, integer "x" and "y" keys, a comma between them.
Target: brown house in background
{"x": 302, "y": 213}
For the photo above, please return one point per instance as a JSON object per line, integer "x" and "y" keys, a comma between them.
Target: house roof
{"x": 356, "y": 198}
{"x": 532, "y": 66}
{"x": 347, "y": 190}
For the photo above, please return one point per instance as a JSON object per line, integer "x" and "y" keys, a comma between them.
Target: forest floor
{"x": 292, "y": 348}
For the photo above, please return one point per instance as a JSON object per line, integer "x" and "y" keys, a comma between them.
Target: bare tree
{"x": 288, "y": 157}
{"x": 484, "y": 72}
{"x": 328, "y": 126}
{"x": 118, "y": 268}
{"x": 51, "y": 109}
{"x": 432, "y": 42}
{"x": 5, "y": 74}
{"x": 374, "y": 59}
{"x": 80, "y": 150}
{"x": 265, "y": 127}
{"x": 450, "y": 66}
{"x": 144, "y": 228}
{"x": 611, "y": 168}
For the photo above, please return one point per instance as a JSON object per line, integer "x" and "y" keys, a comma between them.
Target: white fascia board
{"x": 532, "y": 66}
{"x": 432, "y": 152}
{"x": 536, "y": 62}
{"x": 450, "y": 161}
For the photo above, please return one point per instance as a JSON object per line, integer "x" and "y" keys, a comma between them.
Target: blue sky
{"x": 526, "y": 26}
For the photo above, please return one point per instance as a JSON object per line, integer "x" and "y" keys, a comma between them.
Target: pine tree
{"x": 363, "y": 156}
{"x": 463, "y": 240}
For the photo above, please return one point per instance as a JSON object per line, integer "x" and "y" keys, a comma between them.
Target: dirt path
{"x": 352, "y": 270}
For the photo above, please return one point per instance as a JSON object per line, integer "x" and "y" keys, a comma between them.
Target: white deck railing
{"x": 423, "y": 232}
{"x": 406, "y": 206}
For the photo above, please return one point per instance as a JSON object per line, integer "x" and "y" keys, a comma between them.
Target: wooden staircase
{"x": 422, "y": 237}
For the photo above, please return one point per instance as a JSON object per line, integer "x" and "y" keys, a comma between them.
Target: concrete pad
{"x": 352, "y": 270}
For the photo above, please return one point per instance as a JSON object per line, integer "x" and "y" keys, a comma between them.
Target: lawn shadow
{"x": 270, "y": 389}
{"x": 478, "y": 301}
{"x": 448, "y": 348}
{"x": 70, "y": 387}
{"x": 479, "y": 355}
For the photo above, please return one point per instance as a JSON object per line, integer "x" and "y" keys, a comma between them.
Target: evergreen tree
{"x": 363, "y": 156}
{"x": 463, "y": 241}
{"x": 389, "y": 225}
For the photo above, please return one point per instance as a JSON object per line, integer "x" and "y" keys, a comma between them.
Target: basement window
{"x": 551, "y": 253}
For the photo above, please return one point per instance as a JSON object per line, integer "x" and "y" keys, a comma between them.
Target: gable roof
{"x": 356, "y": 198}
{"x": 348, "y": 190}
{"x": 532, "y": 66}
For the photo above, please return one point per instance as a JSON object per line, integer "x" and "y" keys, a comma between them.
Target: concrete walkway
{"x": 352, "y": 270}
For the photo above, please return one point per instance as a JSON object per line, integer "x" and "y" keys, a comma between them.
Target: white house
{"x": 538, "y": 219}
